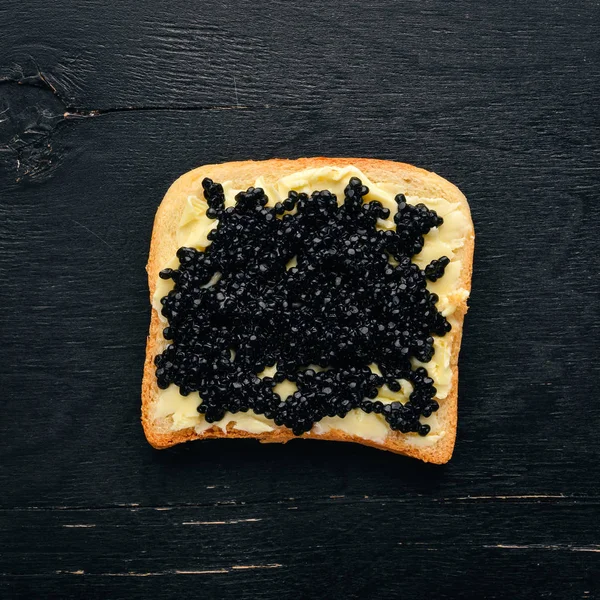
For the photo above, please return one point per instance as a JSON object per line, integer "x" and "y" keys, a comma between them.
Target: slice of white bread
{"x": 399, "y": 177}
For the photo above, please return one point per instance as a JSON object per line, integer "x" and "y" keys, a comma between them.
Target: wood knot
{"x": 31, "y": 113}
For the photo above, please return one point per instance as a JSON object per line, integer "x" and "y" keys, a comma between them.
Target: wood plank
{"x": 104, "y": 104}
{"x": 263, "y": 549}
{"x": 107, "y": 55}
{"x": 82, "y": 237}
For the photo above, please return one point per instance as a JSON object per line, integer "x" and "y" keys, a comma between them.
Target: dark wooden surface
{"x": 103, "y": 104}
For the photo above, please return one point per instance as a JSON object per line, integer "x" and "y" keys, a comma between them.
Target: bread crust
{"x": 411, "y": 181}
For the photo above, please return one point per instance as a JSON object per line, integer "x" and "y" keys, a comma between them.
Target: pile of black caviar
{"x": 352, "y": 298}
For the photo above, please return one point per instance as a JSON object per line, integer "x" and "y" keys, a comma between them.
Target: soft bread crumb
{"x": 406, "y": 179}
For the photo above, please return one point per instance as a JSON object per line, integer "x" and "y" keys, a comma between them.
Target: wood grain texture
{"x": 85, "y": 553}
{"x": 104, "y": 104}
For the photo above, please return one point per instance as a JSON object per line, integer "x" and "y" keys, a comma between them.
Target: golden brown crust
{"x": 411, "y": 181}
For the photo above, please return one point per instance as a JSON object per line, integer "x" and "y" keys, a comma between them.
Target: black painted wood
{"x": 103, "y": 104}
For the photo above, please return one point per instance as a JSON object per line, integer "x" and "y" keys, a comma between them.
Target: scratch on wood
{"x": 524, "y": 546}
{"x": 221, "y": 571}
{"x": 92, "y": 113}
{"x": 134, "y": 507}
{"x": 229, "y": 522}
{"x": 592, "y": 548}
{"x": 106, "y": 244}
{"x": 237, "y": 103}
{"x": 515, "y": 497}
{"x": 47, "y": 82}
{"x": 412, "y": 544}
{"x": 80, "y": 572}
{"x": 593, "y": 499}
{"x": 132, "y": 574}
{"x": 246, "y": 567}
{"x": 80, "y": 525}
{"x": 207, "y": 572}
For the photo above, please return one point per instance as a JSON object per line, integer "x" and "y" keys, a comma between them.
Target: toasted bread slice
{"x": 416, "y": 183}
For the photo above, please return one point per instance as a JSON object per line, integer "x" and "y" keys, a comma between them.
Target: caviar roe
{"x": 352, "y": 298}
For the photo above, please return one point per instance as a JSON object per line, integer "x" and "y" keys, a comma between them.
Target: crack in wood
{"x": 331, "y": 500}
{"x": 42, "y": 81}
{"x": 219, "y": 571}
{"x": 98, "y": 112}
{"x": 32, "y": 119}
{"x": 569, "y": 547}
{"x": 228, "y": 522}
{"x": 513, "y": 497}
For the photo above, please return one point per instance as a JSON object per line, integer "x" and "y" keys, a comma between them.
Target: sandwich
{"x": 318, "y": 298}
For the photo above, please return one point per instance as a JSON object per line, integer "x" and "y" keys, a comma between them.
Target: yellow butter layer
{"x": 181, "y": 412}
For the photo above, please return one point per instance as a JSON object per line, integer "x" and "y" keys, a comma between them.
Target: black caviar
{"x": 353, "y": 298}
{"x": 435, "y": 269}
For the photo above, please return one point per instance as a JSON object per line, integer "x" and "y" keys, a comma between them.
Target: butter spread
{"x": 181, "y": 412}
